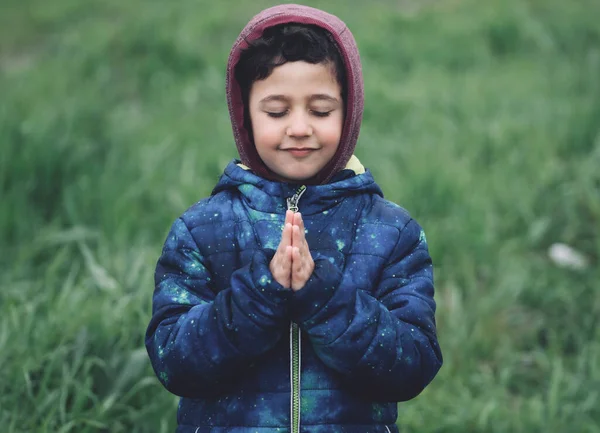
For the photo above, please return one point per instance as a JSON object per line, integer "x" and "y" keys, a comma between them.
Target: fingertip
{"x": 300, "y": 221}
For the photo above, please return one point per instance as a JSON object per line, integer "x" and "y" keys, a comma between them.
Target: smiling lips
{"x": 299, "y": 152}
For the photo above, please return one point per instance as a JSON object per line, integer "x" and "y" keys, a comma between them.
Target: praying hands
{"x": 292, "y": 265}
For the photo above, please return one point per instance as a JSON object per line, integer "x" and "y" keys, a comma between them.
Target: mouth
{"x": 299, "y": 151}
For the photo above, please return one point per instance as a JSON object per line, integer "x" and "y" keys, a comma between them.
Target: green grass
{"x": 482, "y": 118}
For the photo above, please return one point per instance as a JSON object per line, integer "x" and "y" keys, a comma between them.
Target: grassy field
{"x": 482, "y": 118}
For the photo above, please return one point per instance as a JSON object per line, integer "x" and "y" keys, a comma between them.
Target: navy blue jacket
{"x": 248, "y": 355}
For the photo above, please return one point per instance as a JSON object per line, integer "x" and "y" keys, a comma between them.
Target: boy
{"x": 321, "y": 326}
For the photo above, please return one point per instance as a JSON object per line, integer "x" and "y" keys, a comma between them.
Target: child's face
{"x": 297, "y": 115}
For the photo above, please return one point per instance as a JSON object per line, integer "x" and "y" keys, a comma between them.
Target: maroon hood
{"x": 354, "y": 104}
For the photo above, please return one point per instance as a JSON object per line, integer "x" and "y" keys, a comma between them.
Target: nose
{"x": 299, "y": 125}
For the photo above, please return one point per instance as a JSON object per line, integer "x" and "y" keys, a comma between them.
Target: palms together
{"x": 292, "y": 264}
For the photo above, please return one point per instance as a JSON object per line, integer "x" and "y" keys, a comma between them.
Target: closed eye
{"x": 321, "y": 113}
{"x": 276, "y": 114}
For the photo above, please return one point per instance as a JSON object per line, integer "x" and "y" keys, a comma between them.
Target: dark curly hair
{"x": 287, "y": 43}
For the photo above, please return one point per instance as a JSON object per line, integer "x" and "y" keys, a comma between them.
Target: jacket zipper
{"x": 295, "y": 341}
{"x": 292, "y": 202}
{"x": 295, "y": 376}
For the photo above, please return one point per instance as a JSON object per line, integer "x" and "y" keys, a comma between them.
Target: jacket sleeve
{"x": 383, "y": 341}
{"x": 199, "y": 338}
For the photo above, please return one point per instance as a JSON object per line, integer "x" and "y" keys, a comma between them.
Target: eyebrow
{"x": 283, "y": 98}
{"x": 323, "y": 97}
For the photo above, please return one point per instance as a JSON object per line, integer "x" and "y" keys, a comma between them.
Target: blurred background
{"x": 482, "y": 119}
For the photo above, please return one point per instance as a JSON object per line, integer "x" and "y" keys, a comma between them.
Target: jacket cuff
{"x": 317, "y": 291}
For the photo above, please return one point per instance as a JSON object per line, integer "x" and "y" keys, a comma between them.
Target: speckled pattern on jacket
{"x": 219, "y": 335}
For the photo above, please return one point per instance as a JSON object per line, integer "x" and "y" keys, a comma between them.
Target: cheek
{"x": 333, "y": 133}
{"x": 266, "y": 134}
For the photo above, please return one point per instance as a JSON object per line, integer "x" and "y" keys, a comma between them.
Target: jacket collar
{"x": 270, "y": 196}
